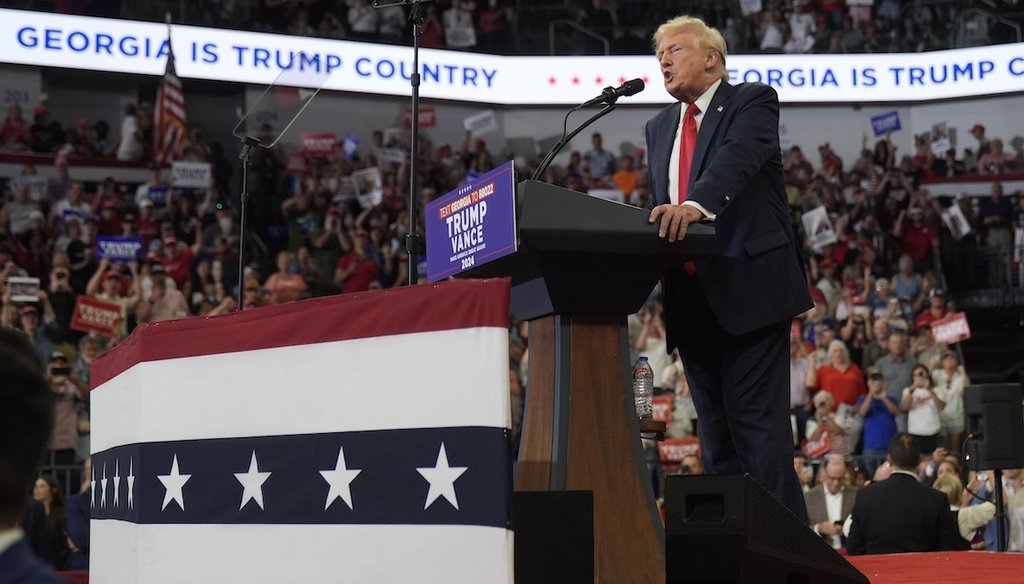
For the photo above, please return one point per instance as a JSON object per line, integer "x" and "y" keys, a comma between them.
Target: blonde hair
{"x": 837, "y": 344}
{"x": 822, "y": 398}
{"x": 707, "y": 37}
{"x": 950, "y": 486}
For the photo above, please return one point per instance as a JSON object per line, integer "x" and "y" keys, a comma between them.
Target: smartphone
{"x": 61, "y": 370}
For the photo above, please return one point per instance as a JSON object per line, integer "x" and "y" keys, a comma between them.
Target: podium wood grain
{"x": 603, "y": 453}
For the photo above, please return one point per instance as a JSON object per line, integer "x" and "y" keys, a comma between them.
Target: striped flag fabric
{"x": 356, "y": 438}
{"x": 169, "y": 129}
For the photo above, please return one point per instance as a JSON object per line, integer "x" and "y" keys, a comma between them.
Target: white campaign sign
{"x": 191, "y": 174}
{"x": 54, "y": 40}
{"x": 481, "y": 123}
{"x": 818, "y": 227}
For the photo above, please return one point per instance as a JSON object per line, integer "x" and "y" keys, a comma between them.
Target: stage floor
{"x": 942, "y": 568}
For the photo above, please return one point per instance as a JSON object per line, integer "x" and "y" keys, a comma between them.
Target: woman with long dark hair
{"x": 922, "y": 402}
{"x": 55, "y": 551}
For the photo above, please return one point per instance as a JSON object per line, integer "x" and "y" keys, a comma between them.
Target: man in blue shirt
{"x": 601, "y": 161}
{"x": 879, "y": 412}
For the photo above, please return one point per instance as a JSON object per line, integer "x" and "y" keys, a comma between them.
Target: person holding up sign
{"x": 106, "y": 285}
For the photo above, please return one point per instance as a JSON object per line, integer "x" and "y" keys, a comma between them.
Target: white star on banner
{"x": 92, "y": 492}
{"x": 131, "y": 482}
{"x": 252, "y": 483}
{"x": 173, "y": 484}
{"x": 442, "y": 479}
{"x": 103, "y": 486}
{"x": 339, "y": 479}
{"x": 117, "y": 482}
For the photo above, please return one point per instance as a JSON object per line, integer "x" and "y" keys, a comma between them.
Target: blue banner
{"x": 472, "y": 225}
{"x": 81, "y": 216}
{"x": 885, "y": 123}
{"x": 388, "y": 490}
{"x": 119, "y": 250}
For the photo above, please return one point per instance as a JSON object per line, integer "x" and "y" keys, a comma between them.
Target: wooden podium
{"x": 582, "y": 265}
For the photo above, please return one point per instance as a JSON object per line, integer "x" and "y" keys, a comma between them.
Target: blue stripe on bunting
{"x": 387, "y": 490}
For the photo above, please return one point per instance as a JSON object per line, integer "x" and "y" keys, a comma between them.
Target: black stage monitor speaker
{"x": 995, "y": 415}
{"x": 729, "y": 529}
{"x": 554, "y": 536}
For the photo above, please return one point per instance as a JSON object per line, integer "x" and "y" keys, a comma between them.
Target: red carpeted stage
{"x": 925, "y": 568}
{"x": 942, "y": 568}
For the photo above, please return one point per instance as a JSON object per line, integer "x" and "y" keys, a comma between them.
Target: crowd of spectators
{"x": 765, "y": 26}
{"x": 864, "y": 362}
{"x": 906, "y": 515}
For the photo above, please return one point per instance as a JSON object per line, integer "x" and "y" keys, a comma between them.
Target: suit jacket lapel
{"x": 849, "y": 495}
{"x": 708, "y": 125}
{"x": 665, "y": 153}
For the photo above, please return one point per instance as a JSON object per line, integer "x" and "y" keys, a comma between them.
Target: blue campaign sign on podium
{"x": 472, "y": 225}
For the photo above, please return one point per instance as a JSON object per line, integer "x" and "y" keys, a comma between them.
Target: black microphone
{"x": 612, "y": 94}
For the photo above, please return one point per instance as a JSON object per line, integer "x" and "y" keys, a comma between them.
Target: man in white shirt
{"x": 830, "y": 503}
{"x": 130, "y": 147}
{"x": 459, "y": 31}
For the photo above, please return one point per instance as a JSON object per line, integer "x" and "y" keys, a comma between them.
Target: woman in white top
{"x": 651, "y": 341}
{"x": 922, "y": 402}
{"x": 952, "y": 377}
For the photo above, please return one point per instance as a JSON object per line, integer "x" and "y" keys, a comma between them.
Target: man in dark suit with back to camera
{"x": 899, "y": 514}
{"x": 26, "y": 420}
{"x": 715, "y": 156}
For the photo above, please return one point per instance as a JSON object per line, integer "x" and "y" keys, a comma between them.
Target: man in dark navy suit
{"x": 715, "y": 156}
{"x": 26, "y": 420}
{"x": 900, "y": 514}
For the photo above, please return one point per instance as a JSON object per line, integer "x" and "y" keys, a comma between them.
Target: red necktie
{"x": 687, "y": 142}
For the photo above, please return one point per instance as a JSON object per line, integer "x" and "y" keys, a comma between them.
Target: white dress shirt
{"x": 834, "y": 507}
{"x": 703, "y": 103}
{"x": 9, "y": 537}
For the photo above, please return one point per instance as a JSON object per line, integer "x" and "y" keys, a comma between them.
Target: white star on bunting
{"x": 252, "y": 483}
{"x": 117, "y": 482}
{"x": 103, "y": 487}
{"x": 131, "y": 482}
{"x": 442, "y": 479}
{"x": 173, "y": 484}
{"x": 92, "y": 491}
{"x": 339, "y": 480}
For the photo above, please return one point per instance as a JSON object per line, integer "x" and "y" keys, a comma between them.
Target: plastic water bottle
{"x": 643, "y": 388}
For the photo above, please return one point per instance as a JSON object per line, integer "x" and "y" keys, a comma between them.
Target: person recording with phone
{"x": 922, "y": 402}
{"x": 879, "y": 412}
{"x": 62, "y": 300}
{"x": 69, "y": 391}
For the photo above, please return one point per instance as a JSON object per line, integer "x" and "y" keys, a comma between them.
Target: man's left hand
{"x": 675, "y": 220}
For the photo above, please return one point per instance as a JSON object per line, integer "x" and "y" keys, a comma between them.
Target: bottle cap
{"x": 643, "y": 357}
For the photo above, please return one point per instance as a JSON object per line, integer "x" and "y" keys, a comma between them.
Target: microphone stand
{"x": 248, "y": 143}
{"x": 412, "y": 238}
{"x": 607, "y": 109}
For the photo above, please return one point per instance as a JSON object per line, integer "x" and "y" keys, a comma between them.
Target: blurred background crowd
{"x": 600, "y": 26}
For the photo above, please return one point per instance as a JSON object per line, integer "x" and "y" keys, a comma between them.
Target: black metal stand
{"x": 997, "y": 495}
{"x": 412, "y": 239}
{"x": 248, "y": 143}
